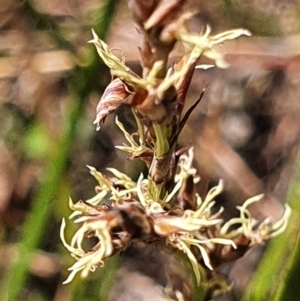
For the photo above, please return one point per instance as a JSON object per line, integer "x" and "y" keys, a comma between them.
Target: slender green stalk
{"x": 42, "y": 203}
{"x": 289, "y": 288}
{"x": 162, "y": 144}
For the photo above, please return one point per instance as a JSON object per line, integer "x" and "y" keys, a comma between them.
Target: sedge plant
{"x": 162, "y": 208}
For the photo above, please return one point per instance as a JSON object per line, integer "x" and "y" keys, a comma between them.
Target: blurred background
{"x": 246, "y": 131}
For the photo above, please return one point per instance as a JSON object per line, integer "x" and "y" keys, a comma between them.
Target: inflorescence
{"x": 163, "y": 207}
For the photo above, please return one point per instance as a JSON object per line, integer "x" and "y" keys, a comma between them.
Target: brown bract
{"x": 116, "y": 93}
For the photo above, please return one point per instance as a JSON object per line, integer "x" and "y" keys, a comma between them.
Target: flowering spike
{"x": 125, "y": 212}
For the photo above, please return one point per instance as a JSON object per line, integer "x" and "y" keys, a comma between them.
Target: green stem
{"x": 162, "y": 144}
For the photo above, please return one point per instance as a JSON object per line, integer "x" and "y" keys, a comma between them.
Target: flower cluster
{"x": 162, "y": 208}
{"x": 123, "y": 212}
